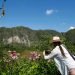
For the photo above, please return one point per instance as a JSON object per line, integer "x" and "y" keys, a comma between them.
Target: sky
{"x": 56, "y": 15}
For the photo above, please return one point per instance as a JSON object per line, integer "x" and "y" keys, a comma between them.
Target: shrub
{"x": 23, "y": 66}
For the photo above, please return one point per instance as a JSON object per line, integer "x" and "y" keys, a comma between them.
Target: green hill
{"x": 70, "y": 35}
{"x": 70, "y": 40}
{"x": 21, "y": 38}
{"x": 25, "y": 37}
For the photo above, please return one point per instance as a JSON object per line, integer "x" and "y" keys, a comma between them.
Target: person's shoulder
{"x": 64, "y": 47}
{"x": 56, "y": 48}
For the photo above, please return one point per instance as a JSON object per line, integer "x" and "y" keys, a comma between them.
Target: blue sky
{"x": 39, "y": 14}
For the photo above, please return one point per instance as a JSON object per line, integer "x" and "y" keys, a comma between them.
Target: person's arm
{"x": 51, "y": 55}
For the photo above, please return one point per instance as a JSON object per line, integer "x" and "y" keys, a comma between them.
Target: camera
{"x": 47, "y": 52}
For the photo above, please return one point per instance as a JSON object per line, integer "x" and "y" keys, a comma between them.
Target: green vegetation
{"x": 28, "y": 39}
{"x": 32, "y": 39}
{"x": 23, "y": 39}
{"x": 23, "y": 66}
{"x": 70, "y": 40}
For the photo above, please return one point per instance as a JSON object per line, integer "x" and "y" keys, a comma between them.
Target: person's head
{"x": 56, "y": 40}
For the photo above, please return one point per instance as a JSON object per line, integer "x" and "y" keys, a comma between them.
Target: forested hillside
{"x": 70, "y": 40}
{"x": 22, "y": 38}
{"x": 70, "y": 35}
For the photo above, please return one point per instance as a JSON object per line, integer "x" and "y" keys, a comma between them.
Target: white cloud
{"x": 50, "y": 11}
{"x": 71, "y": 28}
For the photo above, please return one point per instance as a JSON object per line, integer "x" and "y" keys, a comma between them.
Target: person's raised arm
{"x": 49, "y": 55}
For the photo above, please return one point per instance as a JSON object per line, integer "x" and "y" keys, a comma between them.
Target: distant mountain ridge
{"x": 31, "y": 38}
{"x": 23, "y": 34}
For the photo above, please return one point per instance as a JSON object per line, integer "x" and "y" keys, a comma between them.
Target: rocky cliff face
{"x": 17, "y": 39}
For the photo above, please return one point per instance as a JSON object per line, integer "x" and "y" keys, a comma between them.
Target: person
{"x": 62, "y": 57}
